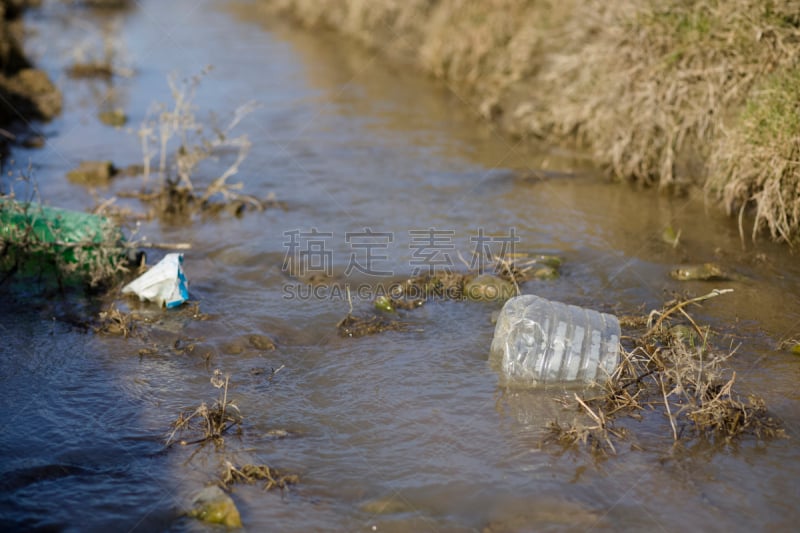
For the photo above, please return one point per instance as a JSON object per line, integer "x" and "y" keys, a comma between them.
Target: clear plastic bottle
{"x": 543, "y": 341}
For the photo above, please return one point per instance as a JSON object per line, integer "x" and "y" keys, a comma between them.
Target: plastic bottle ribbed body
{"x": 545, "y": 341}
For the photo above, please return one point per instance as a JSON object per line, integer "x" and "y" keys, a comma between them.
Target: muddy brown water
{"x": 404, "y": 431}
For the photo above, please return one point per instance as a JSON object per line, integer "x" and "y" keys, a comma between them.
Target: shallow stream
{"x": 402, "y": 431}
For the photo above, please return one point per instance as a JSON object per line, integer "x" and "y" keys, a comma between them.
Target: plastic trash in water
{"x": 165, "y": 283}
{"x": 542, "y": 341}
{"x": 44, "y": 244}
{"x": 59, "y": 231}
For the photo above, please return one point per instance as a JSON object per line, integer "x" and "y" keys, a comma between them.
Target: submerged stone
{"x": 387, "y": 505}
{"x": 114, "y": 117}
{"x": 93, "y": 173}
{"x": 212, "y": 505}
{"x": 261, "y": 342}
{"x": 233, "y": 347}
{"x": 545, "y": 272}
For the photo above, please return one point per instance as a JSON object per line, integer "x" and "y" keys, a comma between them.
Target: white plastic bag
{"x": 165, "y": 283}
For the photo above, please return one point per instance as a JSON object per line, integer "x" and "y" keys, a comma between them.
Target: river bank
{"x": 677, "y": 94}
{"x": 26, "y": 93}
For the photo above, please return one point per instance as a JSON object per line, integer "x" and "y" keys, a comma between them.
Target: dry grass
{"x": 250, "y": 473}
{"x": 207, "y": 423}
{"x": 359, "y": 326}
{"x": 758, "y": 162}
{"x": 113, "y": 321}
{"x": 97, "y": 54}
{"x": 659, "y": 92}
{"x": 180, "y": 143}
{"x": 683, "y": 377}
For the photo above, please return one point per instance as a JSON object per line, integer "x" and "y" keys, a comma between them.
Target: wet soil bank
{"x": 676, "y": 93}
{"x": 26, "y": 93}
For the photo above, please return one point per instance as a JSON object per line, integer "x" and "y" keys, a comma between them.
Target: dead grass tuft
{"x": 758, "y": 162}
{"x": 113, "y": 321}
{"x": 360, "y": 326}
{"x": 181, "y": 144}
{"x": 684, "y": 378}
{"x": 207, "y": 424}
{"x": 250, "y": 473}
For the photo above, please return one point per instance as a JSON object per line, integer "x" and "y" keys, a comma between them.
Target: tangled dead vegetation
{"x": 113, "y": 321}
{"x": 207, "y": 423}
{"x": 670, "y": 92}
{"x": 210, "y": 424}
{"x": 249, "y": 473}
{"x": 673, "y": 370}
{"x": 180, "y": 143}
{"x": 359, "y": 326}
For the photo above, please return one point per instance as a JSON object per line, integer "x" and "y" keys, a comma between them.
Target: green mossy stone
{"x": 92, "y": 173}
{"x": 213, "y": 506}
{"x": 383, "y": 303}
{"x": 114, "y": 117}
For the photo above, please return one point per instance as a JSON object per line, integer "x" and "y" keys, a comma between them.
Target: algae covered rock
{"x": 212, "y": 505}
{"x": 703, "y": 272}
{"x": 93, "y": 173}
{"x": 113, "y": 117}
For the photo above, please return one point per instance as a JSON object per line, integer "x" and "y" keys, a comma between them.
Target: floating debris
{"x": 76, "y": 245}
{"x": 91, "y": 69}
{"x": 112, "y": 321}
{"x": 165, "y": 283}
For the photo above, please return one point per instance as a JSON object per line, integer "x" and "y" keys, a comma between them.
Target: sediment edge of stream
{"x": 27, "y": 94}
